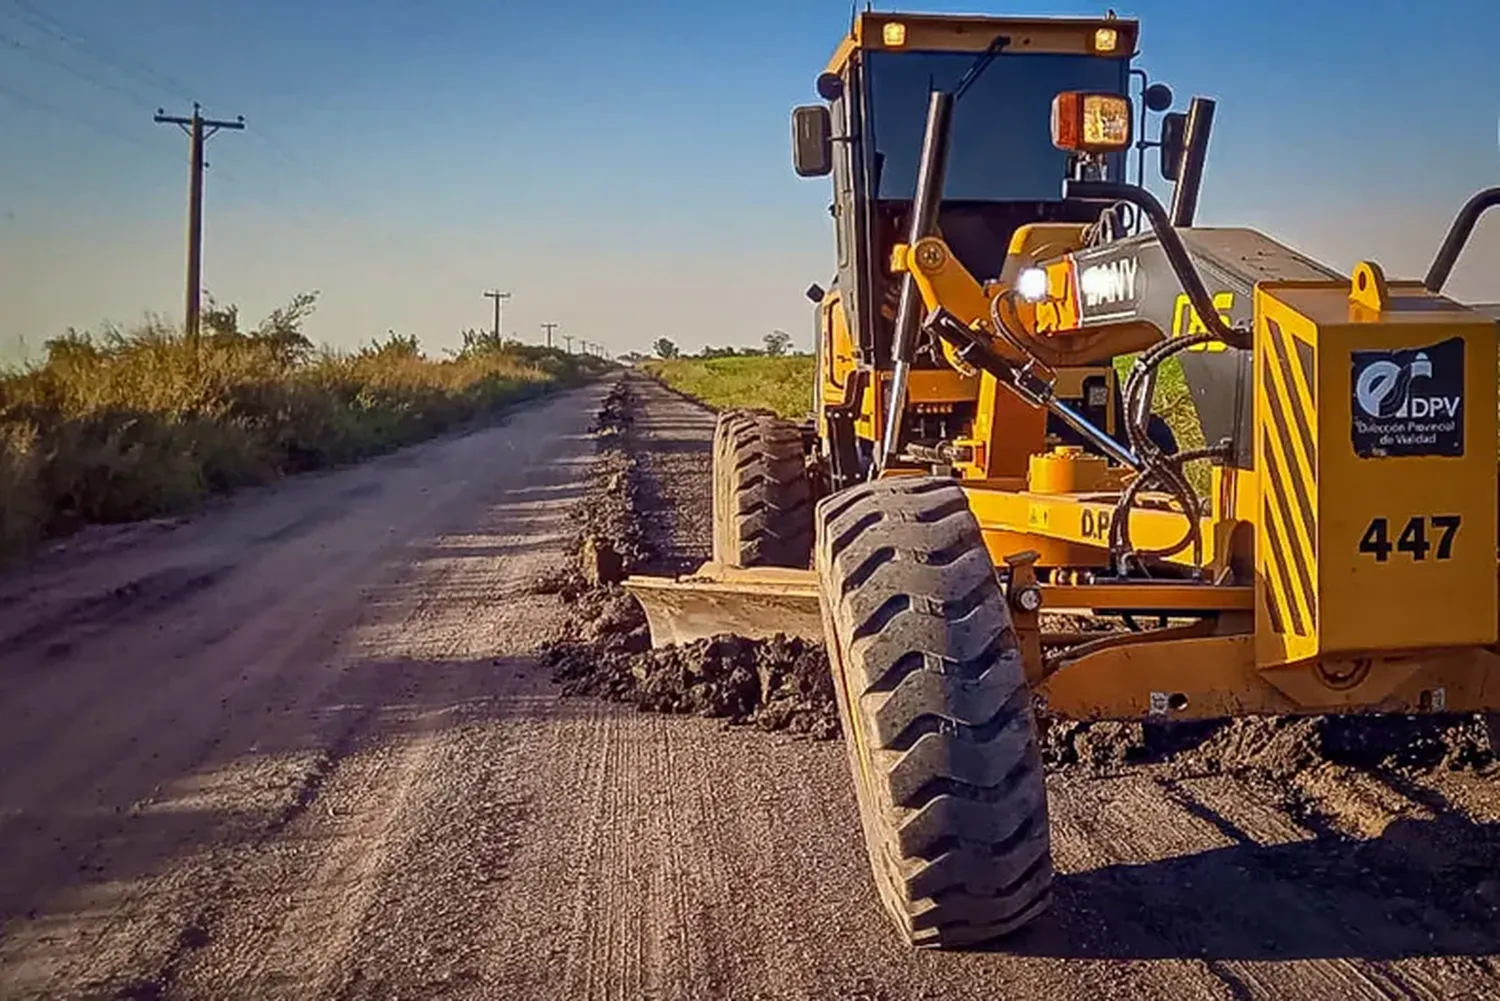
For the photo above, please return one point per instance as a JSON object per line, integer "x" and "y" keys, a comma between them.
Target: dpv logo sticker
{"x": 1409, "y": 403}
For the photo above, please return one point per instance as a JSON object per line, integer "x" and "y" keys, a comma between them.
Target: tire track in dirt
{"x": 413, "y": 844}
{"x": 160, "y": 775}
{"x": 341, "y": 771}
{"x": 1238, "y": 861}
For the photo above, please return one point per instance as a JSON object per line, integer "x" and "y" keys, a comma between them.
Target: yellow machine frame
{"x": 1292, "y": 611}
{"x": 1323, "y": 629}
{"x": 1345, "y": 557}
{"x": 1329, "y": 575}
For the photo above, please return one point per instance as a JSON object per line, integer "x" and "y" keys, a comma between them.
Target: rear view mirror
{"x": 812, "y": 141}
{"x": 1173, "y": 144}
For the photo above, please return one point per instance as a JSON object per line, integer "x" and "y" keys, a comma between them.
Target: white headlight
{"x": 1031, "y": 284}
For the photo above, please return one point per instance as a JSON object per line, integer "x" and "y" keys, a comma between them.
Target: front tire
{"x": 762, "y": 495}
{"x": 936, "y": 711}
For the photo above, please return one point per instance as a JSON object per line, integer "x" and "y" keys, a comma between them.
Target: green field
{"x": 785, "y": 386}
{"x": 127, "y": 425}
{"x": 781, "y": 384}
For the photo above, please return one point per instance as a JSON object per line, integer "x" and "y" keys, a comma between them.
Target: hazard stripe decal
{"x": 1289, "y": 451}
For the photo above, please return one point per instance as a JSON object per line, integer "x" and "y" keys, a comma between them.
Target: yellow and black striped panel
{"x": 1289, "y": 450}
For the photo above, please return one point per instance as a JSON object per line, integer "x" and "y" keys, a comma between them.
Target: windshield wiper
{"x": 980, "y": 65}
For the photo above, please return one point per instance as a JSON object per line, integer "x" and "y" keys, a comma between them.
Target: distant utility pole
{"x": 568, "y": 339}
{"x": 549, "y": 327}
{"x": 497, "y": 296}
{"x": 198, "y": 130}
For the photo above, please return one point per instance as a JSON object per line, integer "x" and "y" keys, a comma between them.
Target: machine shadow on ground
{"x": 1322, "y": 898}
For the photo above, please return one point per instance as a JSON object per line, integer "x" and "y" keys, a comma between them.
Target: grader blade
{"x": 755, "y": 604}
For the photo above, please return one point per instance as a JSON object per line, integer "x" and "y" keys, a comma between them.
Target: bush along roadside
{"x": 124, "y": 426}
{"x": 780, "y": 684}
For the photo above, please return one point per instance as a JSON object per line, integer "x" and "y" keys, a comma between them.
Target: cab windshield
{"x": 1001, "y": 147}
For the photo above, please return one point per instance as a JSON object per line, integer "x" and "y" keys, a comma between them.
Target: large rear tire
{"x": 763, "y": 510}
{"x": 936, "y": 711}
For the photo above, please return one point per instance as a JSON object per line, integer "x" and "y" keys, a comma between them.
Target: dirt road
{"x": 299, "y": 747}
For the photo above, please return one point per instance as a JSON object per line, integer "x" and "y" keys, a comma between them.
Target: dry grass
{"x": 122, "y": 426}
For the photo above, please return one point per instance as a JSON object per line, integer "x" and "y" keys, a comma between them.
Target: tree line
{"x": 775, "y": 344}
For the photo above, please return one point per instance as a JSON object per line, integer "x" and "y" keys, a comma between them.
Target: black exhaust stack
{"x": 1200, "y": 123}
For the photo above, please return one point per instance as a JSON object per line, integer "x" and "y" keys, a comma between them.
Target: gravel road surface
{"x": 300, "y": 747}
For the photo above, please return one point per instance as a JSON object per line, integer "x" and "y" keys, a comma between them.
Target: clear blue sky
{"x": 623, "y": 168}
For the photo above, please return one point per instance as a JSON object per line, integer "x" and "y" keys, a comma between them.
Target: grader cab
{"x": 1342, "y": 557}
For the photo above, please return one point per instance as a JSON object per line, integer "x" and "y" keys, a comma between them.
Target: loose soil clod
{"x": 779, "y": 684}
{"x": 1274, "y": 746}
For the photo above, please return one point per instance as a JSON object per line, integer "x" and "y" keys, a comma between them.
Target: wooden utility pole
{"x": 549, "y": 327}
{"x": 568, "y": 339}
{"x": 198, "y": 130}
{"x": 498, "y": 297}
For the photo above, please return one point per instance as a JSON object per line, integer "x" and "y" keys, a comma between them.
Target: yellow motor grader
{"x": 956, "y": 480}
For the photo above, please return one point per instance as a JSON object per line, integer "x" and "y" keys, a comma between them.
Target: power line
{"x": 46, "y": 57}
{"x": 58, "y": 31}
{"x": 195, "y": 128}
{"x": 70, "y": 115}
{"x": 137, "y": 69}
{"x": 114, "y": 60}
{"x": 50, "y": 25}
{"x": 332, "y": 192}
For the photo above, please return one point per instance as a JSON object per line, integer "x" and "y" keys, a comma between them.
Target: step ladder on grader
{"x": 972, "y": 462}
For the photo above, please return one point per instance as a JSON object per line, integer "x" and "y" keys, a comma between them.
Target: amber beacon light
{"x": 1090, "y": 123}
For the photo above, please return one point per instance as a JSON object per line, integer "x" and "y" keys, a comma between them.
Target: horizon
{"x": 626, "y": 174}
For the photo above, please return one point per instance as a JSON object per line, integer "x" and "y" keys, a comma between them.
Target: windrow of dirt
{"x": 1261, "y": 857}
{"x": 1274, "y": 746}
{"x": 784, "y": 684}
{"x": 1410, "y": 745}
{"x": 781, "y": 684}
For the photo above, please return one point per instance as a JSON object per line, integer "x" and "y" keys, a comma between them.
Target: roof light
{"x": 893, "y": 33}
{"x": 1090, "y": 123}
{"x": 1106, "y": 40}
